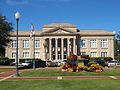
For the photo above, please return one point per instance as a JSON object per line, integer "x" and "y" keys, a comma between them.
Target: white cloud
{"x": 23, "y": 2}
{"x": 16, "y": 2}
{"x": 55, "y": 0}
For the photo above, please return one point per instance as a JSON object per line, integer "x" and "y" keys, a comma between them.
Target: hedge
{"x": 23, "y": 60}
{"x": 117, "y": 58}
{"x": 106, "y": 59}
{"x": 4, "y": 61}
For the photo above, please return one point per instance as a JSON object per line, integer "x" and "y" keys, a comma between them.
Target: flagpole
{"x": 33, "y": 34}
{"x": 34, "y": 51}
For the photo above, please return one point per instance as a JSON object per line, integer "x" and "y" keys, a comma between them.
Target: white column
{"x": 74, "y": 46}
{"x": 50, "y": 48}
{"x": 62, "y": 49}
{"x": 56, "y": 49}
{"x": 68, "y": 47}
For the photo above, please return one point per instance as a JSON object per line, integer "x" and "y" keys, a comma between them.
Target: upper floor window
{"x": 103, "y": 43}
{"x": 93, "y": 44}
{"x": 14, "y": 44}
{"x": 93, "y": 54}
{"x": 82, "y": 43}
{"x": 25, "y": 43}
{"x": 37, "y": 43}
{"x": 104, "y": 54}
{"x": 25, "y": 54}
{"x": 59, "y": 42}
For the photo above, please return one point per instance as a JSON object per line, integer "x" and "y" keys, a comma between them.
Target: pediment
{"x": 58, "y": 31}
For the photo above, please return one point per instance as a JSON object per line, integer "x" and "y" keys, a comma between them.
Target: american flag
{"x": 32, "y": 31}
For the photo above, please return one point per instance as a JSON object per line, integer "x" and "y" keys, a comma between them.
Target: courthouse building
{"x": 56, "y": 41}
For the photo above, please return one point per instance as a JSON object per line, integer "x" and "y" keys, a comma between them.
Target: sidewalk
{"x": 64, "y": 77}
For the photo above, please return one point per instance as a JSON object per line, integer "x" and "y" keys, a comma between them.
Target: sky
{"x": 86, "y": 14}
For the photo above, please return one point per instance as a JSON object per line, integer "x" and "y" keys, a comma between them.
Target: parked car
{"x": 13, "y": 63}
{"x": 50, "y": 64}
{"x": 58, "y": 64}
{"x": 38, "y": 63}
{"x": 101, "y": 62}
{"x": 113, "y": 63}
{"x": 63, "y": 62}
{"x": 26, "y": 63}
{"x": 4, "y": 62}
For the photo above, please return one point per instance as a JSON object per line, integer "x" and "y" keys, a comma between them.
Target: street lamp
{"x": 118, "y": 53}
{"x": 17, "y": 16}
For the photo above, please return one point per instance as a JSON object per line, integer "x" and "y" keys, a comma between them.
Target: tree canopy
{"x": 5, "y": 28}
{"x": 117, "y": 36}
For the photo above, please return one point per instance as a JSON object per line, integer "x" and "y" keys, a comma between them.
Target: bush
{"x": 117, "y": 58}
{"x": 106, "y": 59}
{"x": 4, "y": 61}
{"x": 90, "y": 63}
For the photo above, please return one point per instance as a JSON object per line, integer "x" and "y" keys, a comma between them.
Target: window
{"x": 13, "y": 54}
{"x": 93, "y": 54}
{"x": 25, "y": 54}
{"x": 103, "y": 43}
{"x": 82, "y": 43}
{"x": 93, "y": 44}
{"x": 59, "y": 42}
{"x": 103, "y": 54}
{"x": 25, "y": 43}
{"x": 59, "y": 55}
{"x": 82, "y": 53}
{"x": 37, "y": 54}
{"x": 37, "y": 43}
{"x": 65, "y": 55}
{"x": 14, "y": 44}
{"x": 65, "y": 42}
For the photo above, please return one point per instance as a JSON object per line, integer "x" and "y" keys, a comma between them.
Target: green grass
{"x": 7, "y": 66}
{"x": 76, "y": 84}
{"x": 37, "y": 73}
{"x": 4, "y": 71}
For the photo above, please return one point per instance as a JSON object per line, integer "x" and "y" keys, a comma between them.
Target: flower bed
{"x": 74, "y": 64}
{"x": 92, "y": 68}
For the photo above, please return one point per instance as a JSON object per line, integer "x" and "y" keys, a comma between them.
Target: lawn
{"x": 38, "y": 73}
{"x": 7, "y": 66}
{"x": 1, "y": 71}
{"x": 80, "y": 84}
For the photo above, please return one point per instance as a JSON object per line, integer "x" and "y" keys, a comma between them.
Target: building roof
{"x": 65, "y": 25}
{"x": 92, "y": 30}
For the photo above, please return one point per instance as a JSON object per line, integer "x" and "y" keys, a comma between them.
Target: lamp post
{"x": 118, "y": 53}
{"x": 17, "y": 16}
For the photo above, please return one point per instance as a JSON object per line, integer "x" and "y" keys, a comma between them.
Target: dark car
{"x": 101, "y": 62}
{"x": 4, "y": 62}
{"x": 38, "y": 63}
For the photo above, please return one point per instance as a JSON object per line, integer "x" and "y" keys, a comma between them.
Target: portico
{"x": 57, "y": 49}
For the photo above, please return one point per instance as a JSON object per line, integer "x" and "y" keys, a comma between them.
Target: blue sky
{"x": 87, "y": 14}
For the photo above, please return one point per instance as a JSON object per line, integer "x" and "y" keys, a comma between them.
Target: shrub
{"x": 117, "y": 58}
{"x": 90, "y": 63}
{"x": 4, "y": 61}
{"x": 106, "y": 59}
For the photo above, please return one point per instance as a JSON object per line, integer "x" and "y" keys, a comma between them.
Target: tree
{"x": 117, "y": 44}
{"x": 117, "y": 36}
{"x": 5, "y": 28}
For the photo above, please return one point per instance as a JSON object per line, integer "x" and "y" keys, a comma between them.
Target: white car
{"x": 26, "y": 63}
{"x": 114, "y": 63}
